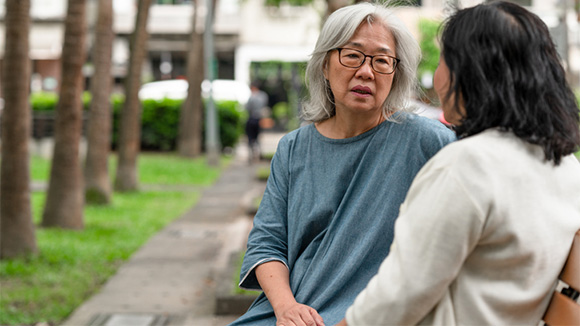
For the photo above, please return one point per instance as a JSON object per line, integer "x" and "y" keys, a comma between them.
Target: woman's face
{"x": 361, "y": 90}
{"x": 441, "y": 84}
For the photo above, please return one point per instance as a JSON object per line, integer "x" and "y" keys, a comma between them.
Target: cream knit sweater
{"x": 480, "y": 239}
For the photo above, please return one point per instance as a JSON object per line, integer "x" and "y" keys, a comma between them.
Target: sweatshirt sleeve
{"x": 439, "y": 224}
{"x": 268, "y": 240}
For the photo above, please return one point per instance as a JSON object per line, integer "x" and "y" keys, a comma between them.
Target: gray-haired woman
{"x": 326, "y": 218}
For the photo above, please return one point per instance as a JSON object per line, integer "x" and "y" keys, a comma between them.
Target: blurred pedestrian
{"x": 488, "y": 222}
{"x": 257, "y": 103}
{"x": 326, "y": 219}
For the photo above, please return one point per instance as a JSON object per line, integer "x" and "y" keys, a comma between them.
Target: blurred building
{"x": 245, "y": 31}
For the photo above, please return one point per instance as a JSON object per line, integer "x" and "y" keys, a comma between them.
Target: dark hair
{"x": 256, "y": 83}
{"x": 505, "y": 69}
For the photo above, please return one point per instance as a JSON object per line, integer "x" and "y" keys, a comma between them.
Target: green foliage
{"x": 160, "y": 124}
{"x": 43, "y": 101}
{"x": 72, "y": 265}
{"x": 160, "y": 119}
{"x": 39, "y": 168}
{"x": 280, "y": 112}
{"x": 284, "y": 83}
{"x": 428, "y": 30}
{"x": 47, "y": 101}
{"x": 230, "y": 122}
{"x": 153, "y": 168}
{"x": 263, "y": 173}
{"x": 175, "y": 170}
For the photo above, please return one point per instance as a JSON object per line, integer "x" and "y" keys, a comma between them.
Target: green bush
{"x": 43, "y": 101}
{"x": 160, "y": 119}
{"x": 230, "y": 122}
{"x": 160, "y": 124}
{"x": 429, "y": 47}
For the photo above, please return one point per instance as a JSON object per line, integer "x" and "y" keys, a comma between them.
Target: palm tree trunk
{"x": 97, "y": 181}
{"x": 130, "y": 128}
{"x": 17, "y": 235}
{"x": 190, "y": 123}
{"x": 65, "y": 200}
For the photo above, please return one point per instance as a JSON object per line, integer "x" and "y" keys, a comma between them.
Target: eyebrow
{"x": 381, "y": 49}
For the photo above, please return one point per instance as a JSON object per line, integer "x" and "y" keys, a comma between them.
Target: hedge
{"x": 160, "y": 120}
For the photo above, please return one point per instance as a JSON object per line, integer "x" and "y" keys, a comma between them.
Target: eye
{"x": 383, "y": 61}
{"x": 352, "y": 55}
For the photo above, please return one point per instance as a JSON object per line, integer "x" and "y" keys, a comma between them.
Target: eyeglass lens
{"x": 353, "y": 59}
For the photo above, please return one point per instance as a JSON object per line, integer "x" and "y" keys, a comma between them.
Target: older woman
{"x": 326, "y": 218}
{"x": 487, "y": 224}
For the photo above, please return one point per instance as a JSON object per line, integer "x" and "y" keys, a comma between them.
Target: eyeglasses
{"x": 382, "y": 63}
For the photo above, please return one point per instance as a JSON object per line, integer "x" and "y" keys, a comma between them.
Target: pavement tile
{"x": 171, "y": 280}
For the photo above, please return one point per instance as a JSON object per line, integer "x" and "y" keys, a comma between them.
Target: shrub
{"x": 160, "y": 124}
{"x": 230, "y": 122}
{"x": 43, "y": 101}
{"x": 160, "y": 119}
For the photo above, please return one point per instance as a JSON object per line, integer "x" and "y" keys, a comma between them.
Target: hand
{"x": 297, "y": 314}
{"x": 342, "y": 323}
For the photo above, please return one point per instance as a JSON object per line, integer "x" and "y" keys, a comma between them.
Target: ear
{"x": 325, "y": 68}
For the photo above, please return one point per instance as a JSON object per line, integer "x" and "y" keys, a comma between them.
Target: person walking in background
{"x": 326, "y": 219}
{"x": 255, "y": 107}
{"x": 488, "y": 222}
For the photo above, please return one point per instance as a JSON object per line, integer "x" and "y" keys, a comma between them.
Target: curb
{"x": 227, "y": 302}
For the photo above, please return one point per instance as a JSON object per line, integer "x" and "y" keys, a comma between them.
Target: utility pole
{"x": 211, "y": 130}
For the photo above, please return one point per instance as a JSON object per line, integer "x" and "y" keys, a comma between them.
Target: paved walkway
{"x": 172, "y": 279}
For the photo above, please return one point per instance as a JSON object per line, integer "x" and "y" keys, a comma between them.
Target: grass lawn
{"x": 72, "y": 265}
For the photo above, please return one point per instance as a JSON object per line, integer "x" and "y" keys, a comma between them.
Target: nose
{"x": 365, "y": 70}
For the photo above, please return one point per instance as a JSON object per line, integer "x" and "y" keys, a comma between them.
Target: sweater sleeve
{"x": 439, "y": 224}
{"x": 268, "y": 240}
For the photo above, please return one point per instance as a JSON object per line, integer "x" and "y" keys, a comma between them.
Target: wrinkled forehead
{"x": 373, "y": 36}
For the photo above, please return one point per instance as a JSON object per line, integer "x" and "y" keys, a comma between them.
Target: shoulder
{"x": 427, "y": 134}
{"x": 296, "y": 134}
{"x": 479, "y": 154}
{"x": 293, "y": 138}
{"x": 489, "y": 143}
{"x": 426, "y": 127}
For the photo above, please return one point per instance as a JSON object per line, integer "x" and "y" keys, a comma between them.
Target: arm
{"x": 273, "y": 277}
{"x": 268, "y": 240}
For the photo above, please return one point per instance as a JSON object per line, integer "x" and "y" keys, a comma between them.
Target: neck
{"x": 340, "y": 126}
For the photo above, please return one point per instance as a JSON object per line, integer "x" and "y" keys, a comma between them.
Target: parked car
{"x": 223, "y": 90}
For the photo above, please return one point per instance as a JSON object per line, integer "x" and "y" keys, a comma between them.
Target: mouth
{"x": 361, "y": 90}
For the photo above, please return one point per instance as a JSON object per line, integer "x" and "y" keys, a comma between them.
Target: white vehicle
{"x": 223, "y": 90}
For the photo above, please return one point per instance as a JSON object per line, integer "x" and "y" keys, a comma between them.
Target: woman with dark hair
{"x": 488, "y": 222}
{"x": 326, "y": 220}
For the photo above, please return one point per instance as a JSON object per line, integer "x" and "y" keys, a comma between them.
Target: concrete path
{"x": 172, "y": 279}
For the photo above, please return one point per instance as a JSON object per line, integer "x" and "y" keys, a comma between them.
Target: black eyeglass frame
{"x": 397, "y": 60}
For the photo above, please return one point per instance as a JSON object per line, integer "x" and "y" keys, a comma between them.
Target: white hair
{"x": 337, "y": 30}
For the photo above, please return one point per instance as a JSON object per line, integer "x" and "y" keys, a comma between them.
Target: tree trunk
{"x": 334, "y": 5}
{"x": 65, "y": 200}
{"x": 130, "y": 128}
{"x": 17, "y": 235}
{"x": 97, "y": 181}
{"x": 190, "y": 123}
